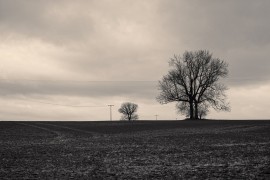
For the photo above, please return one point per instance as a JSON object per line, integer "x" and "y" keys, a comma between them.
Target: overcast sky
{"x": 100, "y": 52}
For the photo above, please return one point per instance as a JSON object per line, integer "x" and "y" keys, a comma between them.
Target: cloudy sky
{"x": 57, "y": 57}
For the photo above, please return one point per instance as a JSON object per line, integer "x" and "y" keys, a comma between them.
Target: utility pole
{"x": 156, "y": 116}
{"x": 110, "y": 105}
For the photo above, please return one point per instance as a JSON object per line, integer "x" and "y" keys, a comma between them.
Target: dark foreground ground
{"x": 136, "y": 150}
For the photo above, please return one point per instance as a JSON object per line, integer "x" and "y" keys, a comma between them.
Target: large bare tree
{"x": 194, "y": 79}
{"x": 128, "y": 110}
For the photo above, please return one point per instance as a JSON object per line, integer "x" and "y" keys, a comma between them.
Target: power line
{"x": 55, "y": 104}
{"x": 121, "y": 81}
{"x": 75, "y": 81}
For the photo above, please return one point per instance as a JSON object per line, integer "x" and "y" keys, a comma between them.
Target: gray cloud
{"x": 107, "y": 40}
{"x": 58, "y": 22}
{"x": 219, "y": 24}
{"x": 125, "y": 40}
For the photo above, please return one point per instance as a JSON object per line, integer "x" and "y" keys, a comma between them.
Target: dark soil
{"x": 135, "y": 150}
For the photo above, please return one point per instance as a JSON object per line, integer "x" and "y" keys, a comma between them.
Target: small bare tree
{"x": 128, "y": 110}
{"x": 194, "y": 80}
{"x": 203, "y": 110}
{"x": 183, "y": 108}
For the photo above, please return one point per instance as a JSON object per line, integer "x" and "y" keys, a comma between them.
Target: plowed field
{"x": 135, "y": 150}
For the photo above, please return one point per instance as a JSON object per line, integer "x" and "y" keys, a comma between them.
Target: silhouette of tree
{"x": 128, "y": 110}
{"x": 194, "y": 79}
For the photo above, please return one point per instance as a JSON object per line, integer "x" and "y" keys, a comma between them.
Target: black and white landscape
{"x": 134, "y": 89}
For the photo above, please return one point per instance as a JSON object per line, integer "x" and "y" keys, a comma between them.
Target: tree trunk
{"x": 191, "y": 110}
{"x": 196, "y": 110}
